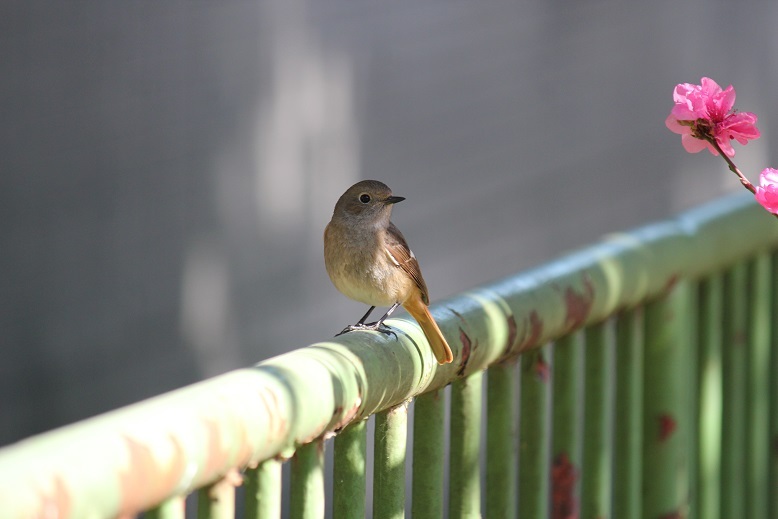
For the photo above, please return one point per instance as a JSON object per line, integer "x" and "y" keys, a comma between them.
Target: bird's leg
{"x": 360, "y": 324}
{"x": 379, "y": 324}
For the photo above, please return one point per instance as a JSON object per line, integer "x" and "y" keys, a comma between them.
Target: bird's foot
{"x": 379, "y": 326}
{"x": 375, "y": 327}
{"x": 351, "y": 328}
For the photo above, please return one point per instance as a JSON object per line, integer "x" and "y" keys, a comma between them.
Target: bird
{"x": 368, "y": 260}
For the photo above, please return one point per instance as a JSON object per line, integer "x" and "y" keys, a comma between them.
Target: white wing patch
{"x": 391, "y": 257}
{"x": 394, "y": 260}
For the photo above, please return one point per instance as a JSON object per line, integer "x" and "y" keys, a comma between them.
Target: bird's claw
{"x": 351, "y": 328}
{"x": 380, "y": 327}
{"x": 375, "y": 327}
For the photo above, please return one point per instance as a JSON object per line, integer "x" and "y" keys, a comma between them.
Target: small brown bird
{"x": 368, "y": 260}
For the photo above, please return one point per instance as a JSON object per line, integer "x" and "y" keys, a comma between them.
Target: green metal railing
{"x": 634, "y": 378}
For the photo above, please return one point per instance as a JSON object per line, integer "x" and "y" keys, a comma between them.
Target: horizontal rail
{"x": 136, "y": 457}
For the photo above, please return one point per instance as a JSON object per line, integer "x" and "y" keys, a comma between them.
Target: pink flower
{"x": 767, "y": 191}
{"x": 704, "y": 112}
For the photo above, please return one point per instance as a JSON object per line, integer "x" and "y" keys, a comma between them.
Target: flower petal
{"x": 726, "y": 99}
{"x": 694, "y": 145}
{"x": 739, "y": 126}
{"x": 674, "y": 126}
{"x": 768, "y": 177}
{"x": 689, "y": 102}
{"x": 768, "y": 198}
{"x": 709, "y": 86}
{"x": 767, "y": 191}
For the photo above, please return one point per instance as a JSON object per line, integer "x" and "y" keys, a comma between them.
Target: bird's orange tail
{"x": 418, "y": 310}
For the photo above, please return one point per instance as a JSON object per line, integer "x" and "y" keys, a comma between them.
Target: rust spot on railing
{"x": 564, "y": 477}
{"x": 215, "y": 453}
{"x": 531, "y": 332}
{"x": 276, "y": 417}
{"x": 147, "y": 479}
{"x": 466, "y": 347}
{"x": 232, "y": 479}
{"x": 218, "y": 454}
{"x": 347, "y": 417}
{"x": 54, "y": 501}
{"x": 671, "y": 282}
{"x": 578, "y": 305}
{"x": 513, "y": 332}
{"x": 541, "y": 367}
{"x": 667, "y": 426}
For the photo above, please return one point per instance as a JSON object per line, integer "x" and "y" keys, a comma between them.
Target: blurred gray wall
{"x": 167, "y": 167}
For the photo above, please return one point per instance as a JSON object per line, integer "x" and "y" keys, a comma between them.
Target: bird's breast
{"x": 360, "y": 269}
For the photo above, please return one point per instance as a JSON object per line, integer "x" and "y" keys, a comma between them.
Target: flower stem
{"x": 734, "y": 169}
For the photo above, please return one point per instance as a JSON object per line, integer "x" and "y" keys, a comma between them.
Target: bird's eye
{"x": 364, "y": 198}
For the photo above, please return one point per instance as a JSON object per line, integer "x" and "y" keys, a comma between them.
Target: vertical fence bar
{"x": 307, "y": 487}
{"x": 391, "y": 435}
{"x": 428, "y": 456}
{"x": 216, "y": 501}
{"x": 758, "y": 387}
{"x": 263, "y": 491}
{"x": 773, "y": 435}
{"x": 348, "y": 493}
{"x": 567, "y": 418}
{"x": 667, "y": 402}
{"x": 709, "y": 415}
{"x": 174, "y": 508}
{"x": 501, "y": 454}
{"x": 734, "y": 393}
{"x": 534, "y": 435}
{"x": 465, "y": 474}
{"x": 628, "y": 433}
{"x": 691, "y": 416}
{"x": 596, "y": 462}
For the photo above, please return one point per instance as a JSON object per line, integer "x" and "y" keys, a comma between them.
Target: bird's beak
{"x": 394, "y": 199}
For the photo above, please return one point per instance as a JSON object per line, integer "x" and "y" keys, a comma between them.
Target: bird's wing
{"x": 401, "y": 255}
